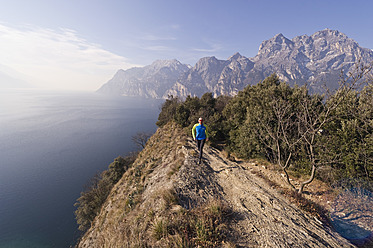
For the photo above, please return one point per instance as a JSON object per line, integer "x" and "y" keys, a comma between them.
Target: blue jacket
{"x": 199, "y": 131}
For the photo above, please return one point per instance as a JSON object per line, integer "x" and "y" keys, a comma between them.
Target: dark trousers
{"x": 200, "y": 144}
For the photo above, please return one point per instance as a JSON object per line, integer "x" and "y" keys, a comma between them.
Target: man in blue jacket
{"x": 200, "y": 134}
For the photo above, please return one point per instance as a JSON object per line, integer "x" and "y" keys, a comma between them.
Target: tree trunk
{"x": 300, "y": 191}
{"x": 284, "y": 169}
{"x": 288, "y": 179}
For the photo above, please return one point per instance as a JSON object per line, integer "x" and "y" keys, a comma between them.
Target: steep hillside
{"x": 167, "y": 200}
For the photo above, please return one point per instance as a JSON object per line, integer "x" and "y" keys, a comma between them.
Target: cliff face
{"x": 156, "y": 204}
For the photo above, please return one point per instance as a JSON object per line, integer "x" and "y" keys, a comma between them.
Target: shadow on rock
{"x": 354, "y": 233}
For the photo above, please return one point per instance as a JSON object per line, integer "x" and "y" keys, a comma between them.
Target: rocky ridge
{"x": 315, "y": 60}
{"x": 153, "y": 198}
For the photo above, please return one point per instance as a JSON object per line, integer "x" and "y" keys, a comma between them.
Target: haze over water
{"x": 51, "y": 144}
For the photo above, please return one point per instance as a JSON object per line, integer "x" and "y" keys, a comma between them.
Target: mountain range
{"x": 315, "y": 60}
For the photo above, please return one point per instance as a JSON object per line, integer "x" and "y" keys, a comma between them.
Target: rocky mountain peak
{"x": 235, "y": 56}
{"x": 280, "y": 38}
{"x": 206, "y": 61}
{"x": 328, "y": 34}
{"x": 277, "y": 43}
{"x": 209, "y": 66}
{"x": 172, "y": 64}
{"x": 307, "y": 59}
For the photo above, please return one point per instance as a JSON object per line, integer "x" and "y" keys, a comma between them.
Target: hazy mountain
{"x": 7, "y": 81}
{"x": 149, "y": 81}
{"x": 315, "y": 60}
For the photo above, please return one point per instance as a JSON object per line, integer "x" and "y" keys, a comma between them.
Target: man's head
{"x": 200, "y": 120}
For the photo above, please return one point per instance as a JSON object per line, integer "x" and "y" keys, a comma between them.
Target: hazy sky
{"x": 80, "y": 44}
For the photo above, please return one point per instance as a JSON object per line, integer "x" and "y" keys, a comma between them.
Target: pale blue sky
{"x": 80, "y": 44}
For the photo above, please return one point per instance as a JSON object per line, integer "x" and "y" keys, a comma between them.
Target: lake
{"x": 51, "y": 144}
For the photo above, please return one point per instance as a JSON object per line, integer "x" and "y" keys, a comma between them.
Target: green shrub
{"x": 186, "y": 114}
{"x": 96, "y": 191}
{"x": 271, "y": 120}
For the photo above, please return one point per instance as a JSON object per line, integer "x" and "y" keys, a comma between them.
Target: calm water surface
{"x": 51, "y": 144}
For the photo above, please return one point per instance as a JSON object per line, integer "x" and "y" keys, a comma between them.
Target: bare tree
{"x": 314, "y": 119}
{"x": 277, "y": 138}
{"x": 140, "y": 139}
{"x": 290, "y": 127}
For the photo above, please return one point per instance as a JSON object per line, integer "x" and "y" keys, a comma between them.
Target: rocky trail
{"x": 263, "y": 217}
{"x": 148, "y": 207}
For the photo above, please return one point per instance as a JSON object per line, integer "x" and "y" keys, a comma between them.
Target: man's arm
{"x": 194, "y": 132}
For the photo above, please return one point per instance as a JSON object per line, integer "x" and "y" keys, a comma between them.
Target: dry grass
{"x": 160, "y": 229}
{"x": 204, "y": 226}
{"x": 169, "y": 197}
